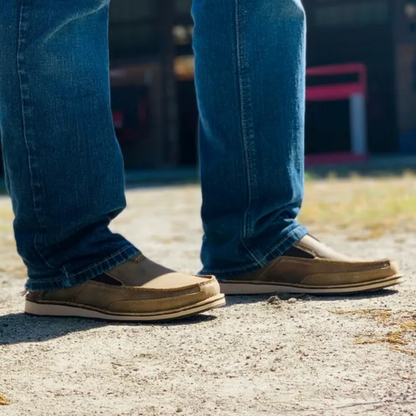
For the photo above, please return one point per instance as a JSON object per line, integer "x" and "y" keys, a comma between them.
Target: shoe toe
{"x": 171, "y": 292}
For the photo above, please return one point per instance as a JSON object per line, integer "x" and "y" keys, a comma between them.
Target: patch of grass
{"x": 404, "y": 322}
{"x": 363, "y": 208}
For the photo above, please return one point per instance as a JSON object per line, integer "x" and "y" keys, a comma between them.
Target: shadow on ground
{"x": 18, "y": 328}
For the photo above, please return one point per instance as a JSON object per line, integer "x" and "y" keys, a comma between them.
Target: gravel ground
{"x": 284, "y": 356}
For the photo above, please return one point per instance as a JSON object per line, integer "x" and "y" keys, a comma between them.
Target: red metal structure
{"x": 354, "y": 91}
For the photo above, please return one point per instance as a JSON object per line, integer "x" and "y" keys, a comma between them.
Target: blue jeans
{"x": 250, "y": 79}
{"x": 64, "y": 168}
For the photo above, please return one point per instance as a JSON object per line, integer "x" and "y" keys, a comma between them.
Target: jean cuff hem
{"x": 83, "y": 276}
{"x": 276, "y": 251}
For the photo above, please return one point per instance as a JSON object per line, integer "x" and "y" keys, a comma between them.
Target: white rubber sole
{"x": 45, "y": 309}
{"x": 241, "y": 288}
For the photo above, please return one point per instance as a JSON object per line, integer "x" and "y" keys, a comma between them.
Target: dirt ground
{"x": 257, "y": 356}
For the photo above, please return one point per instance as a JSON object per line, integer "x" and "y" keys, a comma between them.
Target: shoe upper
{"x": 310, "y": 262}
{"x": 140, "y": 272}
{"x": 137, "y": 285}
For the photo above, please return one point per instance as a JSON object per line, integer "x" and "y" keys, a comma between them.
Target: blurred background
{"x": 361, "y": 96}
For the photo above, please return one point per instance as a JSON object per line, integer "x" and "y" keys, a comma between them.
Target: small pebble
{"x": 275, "y": 300}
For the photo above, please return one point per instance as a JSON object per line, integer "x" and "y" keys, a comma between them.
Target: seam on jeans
{"x": 246, "y": 127}
{"x": 40, "y": 254}
{"x": 24, "y": 108}
{"x": 42, "y": 280}
{"x": 23, "y": 105}
{"x": 234, "y": 270}
{"x": 98, "y": 263}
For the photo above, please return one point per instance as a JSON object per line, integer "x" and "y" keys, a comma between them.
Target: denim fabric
{"x": 250, "y": 79}
{"x": 63, "y": 164}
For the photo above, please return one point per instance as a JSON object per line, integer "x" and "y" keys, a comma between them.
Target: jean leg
{"x": 63, "y": 164}
{"x": 250, "y": 80}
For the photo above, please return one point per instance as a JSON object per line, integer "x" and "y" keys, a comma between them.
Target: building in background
{"x": 153, "y": 97}
{"x": 382, "y": 35}
{"x": 153, "y": 110}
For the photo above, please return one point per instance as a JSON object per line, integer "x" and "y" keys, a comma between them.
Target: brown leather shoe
{"x": 311, "y": 267}
{"x": 137, "y": 290}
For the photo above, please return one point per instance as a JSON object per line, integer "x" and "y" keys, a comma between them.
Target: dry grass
{"x": 402, "y": 321}
{"x": 3, "y": 400}
{"x": 411, "y": 352}
{"x": 363, "y": 208}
